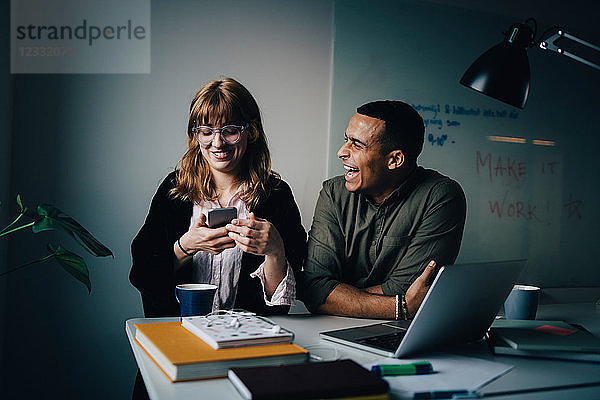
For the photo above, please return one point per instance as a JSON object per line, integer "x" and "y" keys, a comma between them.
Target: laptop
{"x": 459, "y": 307}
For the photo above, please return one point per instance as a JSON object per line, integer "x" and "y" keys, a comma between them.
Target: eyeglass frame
{"x": 195, "y": 131}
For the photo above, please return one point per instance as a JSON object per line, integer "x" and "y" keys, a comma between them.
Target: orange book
{"x": 182, "y": 356}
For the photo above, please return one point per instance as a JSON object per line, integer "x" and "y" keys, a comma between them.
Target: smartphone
{"x": 218, "y": 217}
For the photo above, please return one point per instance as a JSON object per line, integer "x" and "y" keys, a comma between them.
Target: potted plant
{"x": 47, "y": 217}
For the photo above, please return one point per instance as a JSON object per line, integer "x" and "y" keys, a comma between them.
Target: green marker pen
{"x": 416, "y": 368}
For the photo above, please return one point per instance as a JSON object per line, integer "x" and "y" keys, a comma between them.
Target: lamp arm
{"x": 549, "y": 44}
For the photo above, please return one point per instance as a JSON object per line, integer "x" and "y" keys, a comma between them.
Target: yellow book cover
{"x": 181, "y": 355}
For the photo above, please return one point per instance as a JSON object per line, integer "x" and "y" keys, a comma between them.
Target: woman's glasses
{"x": 230, "y": 134}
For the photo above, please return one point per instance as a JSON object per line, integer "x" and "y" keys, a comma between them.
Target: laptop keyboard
{"x": 388, "y": 342}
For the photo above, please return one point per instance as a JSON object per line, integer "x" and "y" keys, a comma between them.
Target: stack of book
{"x": 182, "y": 356}
{"x": 544, "y": 339}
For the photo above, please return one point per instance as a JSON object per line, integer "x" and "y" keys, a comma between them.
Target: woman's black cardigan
{"x": 152, "y": 272}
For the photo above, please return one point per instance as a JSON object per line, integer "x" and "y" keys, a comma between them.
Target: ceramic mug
{"x": 195, "y": 298}
{"x": 522, "y": 302}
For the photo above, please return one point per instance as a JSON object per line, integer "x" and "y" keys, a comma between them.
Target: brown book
{"x": 182, "y": 356}
{"x": 341, "y": 379}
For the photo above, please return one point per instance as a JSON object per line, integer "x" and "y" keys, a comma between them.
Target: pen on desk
{"x": 447, "y": 394}
{"x": 416, "y": 368}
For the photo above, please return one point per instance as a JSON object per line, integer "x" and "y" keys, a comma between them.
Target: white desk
{"x": 528, "y": 374}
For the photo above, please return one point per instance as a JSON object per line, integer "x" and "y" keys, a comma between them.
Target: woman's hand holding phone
{"x": 257, "y": 236}
{"x": 202, "y": 238}
{"x": 253, "y": 235}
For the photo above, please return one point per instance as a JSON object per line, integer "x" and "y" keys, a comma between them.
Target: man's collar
{"x": 406, "y": 187}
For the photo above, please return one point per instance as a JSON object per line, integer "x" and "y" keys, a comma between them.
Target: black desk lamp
{"x": 502, "y": 72}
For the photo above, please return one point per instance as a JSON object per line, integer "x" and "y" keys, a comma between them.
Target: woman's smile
{"x": 222, "y": 154}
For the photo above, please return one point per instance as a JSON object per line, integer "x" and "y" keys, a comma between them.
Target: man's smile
{"x": 351, "y": 171}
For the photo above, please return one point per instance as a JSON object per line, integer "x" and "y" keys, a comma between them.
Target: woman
{"x": 253, "y": 260}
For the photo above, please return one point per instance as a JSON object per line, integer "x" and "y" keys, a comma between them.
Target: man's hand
{"x": 419, "y": 288}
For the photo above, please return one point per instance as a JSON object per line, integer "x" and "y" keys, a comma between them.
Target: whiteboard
{"x": 532, "y": 195}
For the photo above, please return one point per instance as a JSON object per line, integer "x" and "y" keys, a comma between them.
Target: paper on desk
{"x": 452, "y": 372}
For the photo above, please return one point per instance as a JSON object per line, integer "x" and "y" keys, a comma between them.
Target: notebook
{"x": 319, "y": 380}
{"x": 182, "y": 356}
{"x": 545, "y": 336}
{"x": 236, "y": 329}
{"x": 500, "y": 347}
{"x": 459, "y": 307}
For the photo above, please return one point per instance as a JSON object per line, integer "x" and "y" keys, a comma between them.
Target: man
{"x": 379, "y": 230}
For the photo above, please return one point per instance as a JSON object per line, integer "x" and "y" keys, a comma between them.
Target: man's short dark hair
{"x": 404, "y": 128}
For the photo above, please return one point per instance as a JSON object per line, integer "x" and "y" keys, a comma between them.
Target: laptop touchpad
{"x": 401, "y": 324}
{"x": 363, "y": 332}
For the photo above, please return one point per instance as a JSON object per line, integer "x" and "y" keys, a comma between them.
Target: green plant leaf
{"x": 20, "y": 203}
{"x": 73, "y": 264}
{"x": 23, "y": 209}
{"x": 51, "y": 218}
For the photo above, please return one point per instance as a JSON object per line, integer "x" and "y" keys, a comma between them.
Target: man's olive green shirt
{"x": 355, "y": 241}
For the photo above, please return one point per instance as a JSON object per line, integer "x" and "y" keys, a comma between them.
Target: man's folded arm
{"x": 346, "y": 300}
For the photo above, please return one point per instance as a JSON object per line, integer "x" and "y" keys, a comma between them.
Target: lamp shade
{"x": 502, "y": 72}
